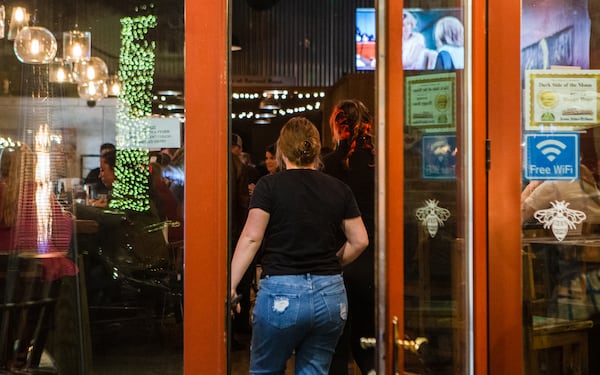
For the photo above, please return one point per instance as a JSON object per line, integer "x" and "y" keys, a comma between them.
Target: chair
{"x": 26, "y": 308}
{"x": 141, "y": 279}
{"x": 552, "y": 345}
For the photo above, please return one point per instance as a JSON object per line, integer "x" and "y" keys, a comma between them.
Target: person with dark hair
{"x": 301, "y": 305}
{"x": 108, "y": 161}
{"x": 241, "y": 187}
{"x": 165, "y": 203}
{"x": 271, "y": 162}
{"x": 92, "y": 179}
{"x": 353, "y": 161}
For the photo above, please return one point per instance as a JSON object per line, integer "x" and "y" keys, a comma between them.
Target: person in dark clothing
{"x": 241, "y": 183}
{"x": 301, "y": 305}
{"x": 93, "y": 177}
{"x": 353, "y": 161}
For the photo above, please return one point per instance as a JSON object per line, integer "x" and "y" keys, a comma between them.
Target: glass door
{"x": 426, "y": 238}
{"x": 559, "y": 198}
{"x": 430, "y": 216}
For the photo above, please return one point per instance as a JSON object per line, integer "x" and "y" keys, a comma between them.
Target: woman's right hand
{"x": 234, "y": 304}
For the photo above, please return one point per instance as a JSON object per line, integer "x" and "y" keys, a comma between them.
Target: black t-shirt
{"x": 306, "y": 210}
{"x": 359, "y": 175}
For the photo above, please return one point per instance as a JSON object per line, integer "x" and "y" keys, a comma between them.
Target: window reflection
{"x": 104, "y": 267}
{"x": 559, "y": 199}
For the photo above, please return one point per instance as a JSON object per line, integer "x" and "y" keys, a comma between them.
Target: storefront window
{"x": 91, "y": 187}
{"x": 559, "y": 203}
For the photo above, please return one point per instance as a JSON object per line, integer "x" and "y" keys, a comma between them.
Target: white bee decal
{"x": 432, "y": 217}
{"x": 560, "y": 218}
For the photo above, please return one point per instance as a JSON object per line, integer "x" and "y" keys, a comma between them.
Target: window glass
{"x": 436, "y": 186}
{"x": 91, "y": 186}
{"x": 559, "y": 201}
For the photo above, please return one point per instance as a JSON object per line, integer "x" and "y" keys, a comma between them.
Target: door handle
{"x": 412, "y": 345}
{"x": 406, "y": 344}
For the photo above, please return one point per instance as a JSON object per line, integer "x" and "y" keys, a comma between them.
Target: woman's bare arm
{"x": 248, "y": 244}
{"x": 356, "y": 240}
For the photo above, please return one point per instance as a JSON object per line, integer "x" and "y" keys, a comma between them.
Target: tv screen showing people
{"x": 432, "y": 39}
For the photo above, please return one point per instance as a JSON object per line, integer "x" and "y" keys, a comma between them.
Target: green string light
{"x": 136, "y": 72}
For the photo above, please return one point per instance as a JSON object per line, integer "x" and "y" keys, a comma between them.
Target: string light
{"x": 136, "y": 72}
{"x": 283, "y": 96}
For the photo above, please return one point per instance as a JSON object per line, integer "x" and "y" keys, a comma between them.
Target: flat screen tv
{"x": 432, "y": 39}
{"x": 365, "y": 39}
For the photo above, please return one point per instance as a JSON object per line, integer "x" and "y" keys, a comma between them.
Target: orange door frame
{"x": 207, "y": 148}
{"x": 504, "y": 214}
{"x": 478, "y": 98}
{"x": 393, "y": 205}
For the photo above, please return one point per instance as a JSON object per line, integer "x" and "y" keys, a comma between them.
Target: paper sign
{"x": 563, "y": 100}
{"x": 430, "y": 101}
{"x": 151, "y": 133}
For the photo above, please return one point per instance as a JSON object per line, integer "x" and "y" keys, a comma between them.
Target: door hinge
{"x": 488, "y": 154}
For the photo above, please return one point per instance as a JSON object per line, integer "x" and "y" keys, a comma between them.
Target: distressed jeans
{"x": 302, "y": 315}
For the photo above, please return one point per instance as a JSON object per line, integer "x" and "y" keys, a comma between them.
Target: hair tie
{"x": 307, "y": 147}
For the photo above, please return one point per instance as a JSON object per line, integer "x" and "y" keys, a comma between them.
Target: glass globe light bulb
{"x": 77, "y": 45}
{"x": 94, "y": 69}
{"x": 35, "y": 45}
{"x": 91, "y": 73}
{"x": 115, "y": 89}
{"x": 60, "y": 75}
{"x": 19, "y": 18}
{"x": 92, "y": 90}
{"x": 76, "y": 51}
{"x": 114, "y": 85}
{"x": 19, "y": 14}
{"x": 60, "y": 71}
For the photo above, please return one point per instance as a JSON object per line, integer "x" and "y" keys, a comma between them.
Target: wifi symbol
{"x": 551, "y": 148}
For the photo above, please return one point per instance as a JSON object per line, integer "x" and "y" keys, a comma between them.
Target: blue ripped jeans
{"x": 302, "y": 315}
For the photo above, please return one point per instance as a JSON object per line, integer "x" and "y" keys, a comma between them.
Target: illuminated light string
{"x": 136, "y": 72}
{"x": 8, "y": 142}
{"x": 281, "y": 95}
{"x": 277, "y": 112}
{"x": 277, "y": 95}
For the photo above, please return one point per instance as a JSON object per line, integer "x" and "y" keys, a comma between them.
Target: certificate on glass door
{"x": 561, "y": 100}
{"x": 430, "y": 102}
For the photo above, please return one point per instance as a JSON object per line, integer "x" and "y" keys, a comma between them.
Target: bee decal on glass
{"x": 432, "y": 217}
{"x": 560, "y": 218}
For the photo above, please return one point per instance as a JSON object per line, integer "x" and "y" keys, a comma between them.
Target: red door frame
{"x": 207, "y": 104}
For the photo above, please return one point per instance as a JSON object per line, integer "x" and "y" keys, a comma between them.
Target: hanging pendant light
{"x": 114, "y": 85}
{"x": 94, "y": 69}
{"x": 77, "y": 45}
{"x": 35, "y": 45}
{"x": 92, "y": 91}
{"x": 61, "y": 71}
{"x": 19, "y": 19}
